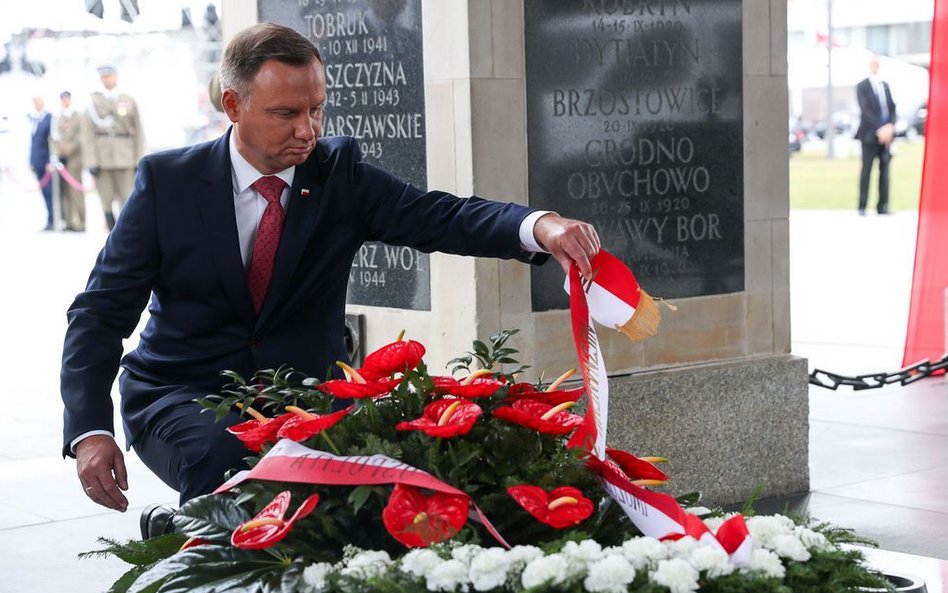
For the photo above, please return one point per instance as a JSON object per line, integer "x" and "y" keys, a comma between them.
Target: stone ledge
{"x": 726, "y": 428}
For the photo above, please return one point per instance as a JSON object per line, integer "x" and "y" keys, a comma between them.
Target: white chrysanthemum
{"x": 790, "y": 546}
{"x": 711, "y": 560}
{"x": 489, "y": 569}
{"x": 580, "y": 555}
{"x": 766, "y": 562}
{"x": 677, "y": 574}
{"x": 523, "y": 554}
{"x": 587, "y": 550}
{"x": 546, "y": 569}
{"x": 611, "y": 574}
{"x": 765, "y": 529}
{"x": 682, "y": 547}
{"x": 643, "y": 552}
{"x": 367, "y": 564}
{"x": 450, "y": 575}
{"x": 314, "y": 577}
{"x": 465, "y": 553}
{"x": 813, "y": 540}
{"x": 419, "y": 562}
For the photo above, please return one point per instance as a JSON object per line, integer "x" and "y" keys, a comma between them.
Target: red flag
{"x": 926, "y": 325}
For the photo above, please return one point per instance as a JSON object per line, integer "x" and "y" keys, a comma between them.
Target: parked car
{"x": 796, "y": 134}
{"x": 918, "y": 118}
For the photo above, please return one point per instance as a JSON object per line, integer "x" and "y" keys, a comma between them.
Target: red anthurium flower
{"x": 471, "y": 387}
{"x": 303, "y": 425}
{"x": 418, "y": 521}
{"x": 268, "y": 526}
{"x": 637, "y": 468}
{"x": 445, "y": 418}
{"x": 553, "y": 398}
{"x": 539, "y": 416}
{"x": 396, "y": 357}
{"x": 355, "y": 390}
{"x": 560, "y": 508}
{"x": 256, "y": 433}
{"x": 611, "y": 471}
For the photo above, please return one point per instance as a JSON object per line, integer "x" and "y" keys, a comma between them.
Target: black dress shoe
{"x": 156, "y": 520}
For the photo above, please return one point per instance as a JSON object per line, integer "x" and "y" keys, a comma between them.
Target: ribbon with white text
{"x": 289, "y": 461}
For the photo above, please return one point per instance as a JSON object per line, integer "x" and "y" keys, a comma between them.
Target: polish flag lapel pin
{"x": 304, "y": 192}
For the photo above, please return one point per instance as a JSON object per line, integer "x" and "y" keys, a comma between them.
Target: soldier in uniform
{"x": 113, "y": 142}
{"x": 64, "y": 144}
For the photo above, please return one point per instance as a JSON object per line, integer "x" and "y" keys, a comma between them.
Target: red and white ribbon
{"x": 611, "y": 298}
{"x": 289, "y": 461}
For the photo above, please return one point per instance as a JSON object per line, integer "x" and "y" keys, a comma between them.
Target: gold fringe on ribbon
{"x": 644, "y": 322}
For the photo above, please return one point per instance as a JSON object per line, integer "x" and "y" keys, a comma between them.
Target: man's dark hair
{"x": 250, "y": 48}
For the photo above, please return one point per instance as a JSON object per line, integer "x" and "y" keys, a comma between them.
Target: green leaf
{"x": 358, "y": 497}
{"x": 211, "y": 569}
{"x": 211, "y": 517}
{"x": 125, "y": 581}
{"x": 139, "y": 552}
{"x": 690, "y": 499}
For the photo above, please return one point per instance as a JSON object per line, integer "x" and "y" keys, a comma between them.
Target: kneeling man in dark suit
{"x": 243, "y": 246}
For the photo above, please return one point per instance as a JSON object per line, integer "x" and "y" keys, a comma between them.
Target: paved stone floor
{"x": 878, "y": 460}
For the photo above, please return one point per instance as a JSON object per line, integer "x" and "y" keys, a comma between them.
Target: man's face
{"x": 278, "y": 127}
{"x": 38, "y": 103}
{"x": 874, "y": 64}
{"x": 109, "y": 80}
{"x": 66, "y": 101}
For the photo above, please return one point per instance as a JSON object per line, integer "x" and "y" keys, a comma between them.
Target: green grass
{"x": 821, "y": 183}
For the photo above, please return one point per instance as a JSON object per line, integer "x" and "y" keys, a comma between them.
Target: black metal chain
{"x": 905, "y": 376}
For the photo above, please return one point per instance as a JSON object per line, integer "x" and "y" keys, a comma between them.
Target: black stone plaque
{"x": 634, "y": 121}
{"x": 375, "y": 83}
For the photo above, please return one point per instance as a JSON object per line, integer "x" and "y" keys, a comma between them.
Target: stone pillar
{"x": 716, "y": 391}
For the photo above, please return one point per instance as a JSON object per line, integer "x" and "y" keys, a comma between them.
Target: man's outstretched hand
{"x": 568, "y": 241}
{"x": 102, "y": 473}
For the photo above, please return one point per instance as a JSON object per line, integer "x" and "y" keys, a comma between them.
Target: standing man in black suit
{"x": 243, "y": 246}
{"x": 876, "y": 131}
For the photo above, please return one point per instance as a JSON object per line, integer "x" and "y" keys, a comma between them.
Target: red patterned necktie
{"x": 268, "y": 239}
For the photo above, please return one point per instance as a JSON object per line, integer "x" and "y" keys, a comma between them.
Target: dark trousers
{"x": 871, "y": 151}
{"x": 47, "y": 195}
{"x": 189, "y": 451}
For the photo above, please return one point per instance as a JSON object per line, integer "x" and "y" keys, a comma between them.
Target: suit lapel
{"x": 298, "y": 227}
{"x": 220, "y": 223}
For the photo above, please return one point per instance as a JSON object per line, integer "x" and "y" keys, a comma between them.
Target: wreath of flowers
{"x": 520, "y": 510}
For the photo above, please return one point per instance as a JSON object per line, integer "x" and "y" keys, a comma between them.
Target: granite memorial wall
{"x": 634, "y": 120}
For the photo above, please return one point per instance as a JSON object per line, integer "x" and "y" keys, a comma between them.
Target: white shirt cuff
{"x": 527, "y": 240}
{"x": 75, "y": 442}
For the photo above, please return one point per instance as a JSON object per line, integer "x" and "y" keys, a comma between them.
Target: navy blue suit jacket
{"x": 39, "y": 145}
{"x": 176, "y": 244}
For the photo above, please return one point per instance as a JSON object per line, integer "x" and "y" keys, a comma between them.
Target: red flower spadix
{"x": 400, "y": 356}
{"x": 539, "y": 416}
{"x": 560, "y": 508}
{"x": 445, "y": 418}
{"x": 302, "y": 425}
{"x": 268, "y": 526}
{"x": 256, "y": 433}
{"x": 418, "y": 521}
